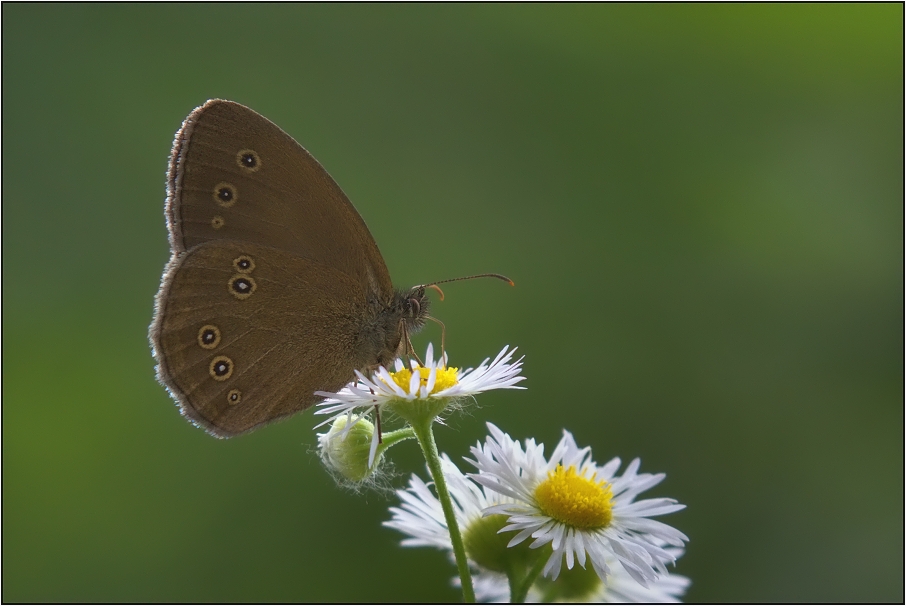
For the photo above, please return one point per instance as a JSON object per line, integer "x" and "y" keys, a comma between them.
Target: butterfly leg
{"x": 377, "y": 424}
{"x": 410, "y": 351}
{"x": 377, "y": 420}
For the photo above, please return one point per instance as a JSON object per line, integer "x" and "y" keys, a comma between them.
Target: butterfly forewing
{"x": 235, "y": 175}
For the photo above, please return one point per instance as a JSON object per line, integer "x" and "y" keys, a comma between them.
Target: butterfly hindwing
{"x": 245, "y": 334}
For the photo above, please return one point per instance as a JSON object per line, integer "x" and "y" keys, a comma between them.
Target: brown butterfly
{"x": 275, "y": 288}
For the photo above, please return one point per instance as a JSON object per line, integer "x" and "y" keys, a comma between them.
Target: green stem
{"x": 518, "y": 596}
{"x": 425, "y": 436}
{"x": 392, "y": 438}
{"x": 513, "y": 579}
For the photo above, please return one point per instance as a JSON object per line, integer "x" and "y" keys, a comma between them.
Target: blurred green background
{"x": 701, "y": 206}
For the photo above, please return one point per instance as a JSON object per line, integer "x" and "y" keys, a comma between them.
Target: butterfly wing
{"x": 235, "y": 175}
{"x": 245, "y": 334}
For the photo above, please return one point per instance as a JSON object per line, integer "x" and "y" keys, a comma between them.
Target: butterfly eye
{"x": 414, "y": 308}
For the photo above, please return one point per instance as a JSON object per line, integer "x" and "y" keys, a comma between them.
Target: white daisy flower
{"x": 580, "y": 509}
{"x": 421, "y": 518}
{"x": 433, "y": 386}
{"x": 434, "y": 380}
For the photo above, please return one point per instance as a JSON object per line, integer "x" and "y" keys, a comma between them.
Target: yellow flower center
{"x": 446, "y": 377}
{"x": 575, "y": 500}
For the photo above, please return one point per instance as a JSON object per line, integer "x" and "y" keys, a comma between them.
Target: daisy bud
{"x": 346, "y": 451}
{"x": 488, "y": 548}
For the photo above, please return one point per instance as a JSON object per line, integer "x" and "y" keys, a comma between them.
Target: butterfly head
{"x": 413, "y": 307}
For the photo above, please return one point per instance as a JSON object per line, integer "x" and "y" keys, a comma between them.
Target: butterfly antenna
{"x": 434, "y": 284}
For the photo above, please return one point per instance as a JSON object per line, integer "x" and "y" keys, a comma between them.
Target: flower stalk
{"x": 425, "y": 434}
{"x": 519, "y": 590}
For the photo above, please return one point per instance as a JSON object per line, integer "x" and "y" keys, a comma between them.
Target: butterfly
{"x": 275, "y": 287}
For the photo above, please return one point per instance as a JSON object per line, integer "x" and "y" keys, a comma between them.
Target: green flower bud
{"x": 346, "y": 452}
{"x": 488, "y": 549}
{"x": 573, "y": 585}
